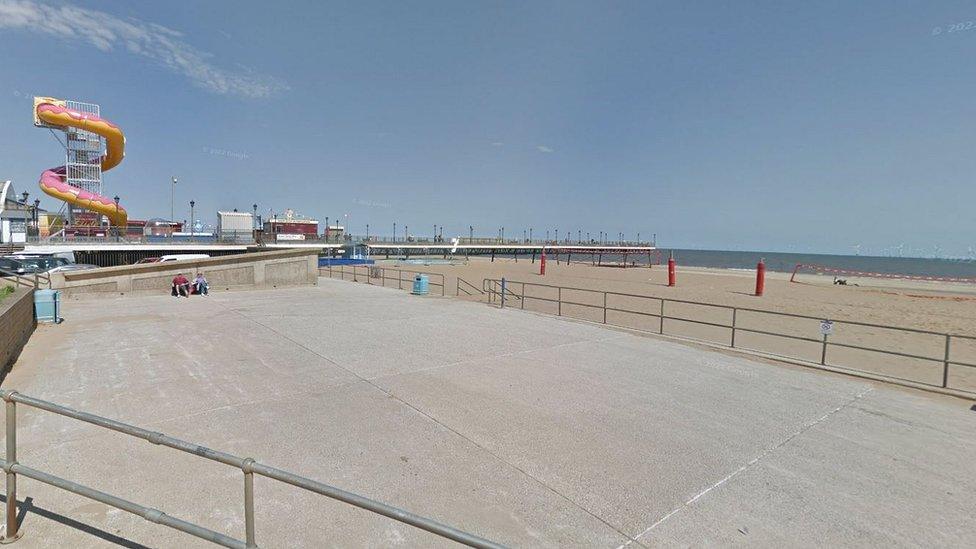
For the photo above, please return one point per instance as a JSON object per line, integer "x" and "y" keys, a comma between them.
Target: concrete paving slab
{"x": 530, "y": 430}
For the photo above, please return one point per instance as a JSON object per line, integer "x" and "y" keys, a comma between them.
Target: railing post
{"x": 734, "y": 310}
{"x": 503, "y": 292}
{"x": 661, "y": 330}
{"x": 249, "y": 503}
{"x": 522, "y": 306}
{"x": 823, "y": 352}
{"x": 559, "y": 300}
{"x": 11, "y": 534}
{"x": 604, "y": 307}
{"x": 945, "y": 363}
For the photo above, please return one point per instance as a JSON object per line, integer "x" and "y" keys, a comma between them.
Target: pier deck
{"x": 529, "y": 430}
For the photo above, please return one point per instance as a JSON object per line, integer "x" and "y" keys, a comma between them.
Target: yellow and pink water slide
{"x": 55, "y": 113}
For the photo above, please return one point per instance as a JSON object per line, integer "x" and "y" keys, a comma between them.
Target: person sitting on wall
{"x": 181, "y": 286}
{"x": 200, "y": 285}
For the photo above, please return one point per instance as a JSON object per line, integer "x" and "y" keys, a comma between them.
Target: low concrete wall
{"x": 232, "y": 272}
{"x": 16, "y": 326}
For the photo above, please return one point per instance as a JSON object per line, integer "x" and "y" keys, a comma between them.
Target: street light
{"x": 254, "y": 219}
{"x": 25, "y": 194}
{"x": 367, "y": 232}
{"x": 172, "y": 202}
{"x": 394, "y": 231}
{"x": 327, "y": 229}
{"x": 470, "y": 234}
{"x": 192, "y": 204}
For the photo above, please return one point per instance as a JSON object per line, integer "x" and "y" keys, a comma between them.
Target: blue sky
{"x": 767, "y": 125}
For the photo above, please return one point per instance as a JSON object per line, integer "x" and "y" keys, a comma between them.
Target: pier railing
{"x": 372, "y": 273}
{"x": 248, "y": 466}
{"x": 908, "y": 356}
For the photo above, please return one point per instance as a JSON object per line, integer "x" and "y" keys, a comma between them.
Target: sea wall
{"x": 16, "y": 326}
{"x": 232, "y": 272}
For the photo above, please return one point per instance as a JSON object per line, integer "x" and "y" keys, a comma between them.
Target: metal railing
{"x": 462, "y": 285}
{"x": 495, "y": 290}
{"x": 32, "y": 280}
{"x": 248, "y": 466}
{"x": 370, "y": 272}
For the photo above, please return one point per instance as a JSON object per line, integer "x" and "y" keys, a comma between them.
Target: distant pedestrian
{"x": 181, "y": 286}
{"x": 200, "y": 285}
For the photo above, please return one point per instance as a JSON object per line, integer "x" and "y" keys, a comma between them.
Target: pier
{"x": 107, "y": 253}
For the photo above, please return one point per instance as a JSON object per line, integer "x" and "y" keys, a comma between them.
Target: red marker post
{"x": 542, "y": 263}
{"x": 760, "y": 277}
{"x": 671, "y": 275}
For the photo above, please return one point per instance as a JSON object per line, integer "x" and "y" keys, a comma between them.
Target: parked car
{"x": 9, "y": 265}
{"x": 73, "y": 267}
{"x": 183, "y": 257}
{"x": 43, "y": 264}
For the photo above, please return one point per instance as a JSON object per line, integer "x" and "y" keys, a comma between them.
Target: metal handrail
{"x": 383, "y": 270}
{"x": 491, "y": 286}
{"x": 248, "y": 466}
{"x": 31, "y": 281}
{"x": 458, "y": 289}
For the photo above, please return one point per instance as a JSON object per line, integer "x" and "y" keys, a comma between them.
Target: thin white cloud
{"x": 543, "y": 149}
{"x": 161, "y": 44}
{"x": 497, "y": 144}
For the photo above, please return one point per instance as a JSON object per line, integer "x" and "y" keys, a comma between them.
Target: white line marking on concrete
{"x": 751, "y": 462}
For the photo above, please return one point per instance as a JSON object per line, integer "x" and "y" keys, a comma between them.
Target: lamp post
{"x": 557, "y": 238}
{"x": 254, "y": 218}
{"x": 326, "y": 229}
{"x": 172, "y": 201}
{"x": 25, "y": 194}
{"x": 192, "y": 204}
{"x": 394, "y": 231}
{"x": 37, "y": 216}
{"x": 503, "y": 234}
{"x": 367, "y": 232}
{"x": 530, "y": 234}
{"x": 470, "y": 234}
{"x": 406, "y": 233}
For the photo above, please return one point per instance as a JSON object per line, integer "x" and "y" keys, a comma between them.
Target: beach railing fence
{"x": 248, "y": 466}
{"x": 907, "y": 356}
{"x": 371, "y": 274}
{"x": 462, "y": 285}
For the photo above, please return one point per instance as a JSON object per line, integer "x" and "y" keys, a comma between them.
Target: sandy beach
{"x": 929, "y": 306}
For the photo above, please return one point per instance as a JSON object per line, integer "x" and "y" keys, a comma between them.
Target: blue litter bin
{"x": 47, "y": 305}
{"x": 421, "y": 286}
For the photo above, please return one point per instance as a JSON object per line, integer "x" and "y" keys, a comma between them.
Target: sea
{"x": 786, "y": 262}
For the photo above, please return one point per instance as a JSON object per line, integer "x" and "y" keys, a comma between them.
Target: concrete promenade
{"x": 531, "y": 430}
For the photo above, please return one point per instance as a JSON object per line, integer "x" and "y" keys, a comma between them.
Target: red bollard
{"x": 760, "y": 277}
{"x": 671, "y": 276}
{"x": 542, "y": 263}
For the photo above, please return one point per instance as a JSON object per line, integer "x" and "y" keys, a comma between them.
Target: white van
{"x": 182, "y": 257}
